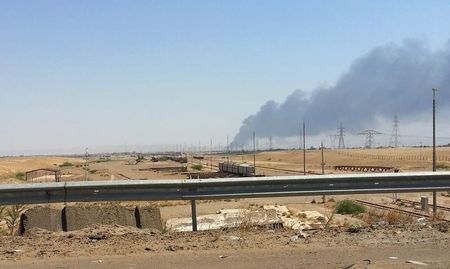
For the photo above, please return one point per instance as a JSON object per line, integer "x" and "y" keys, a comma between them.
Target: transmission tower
{"x": 395, "y": 138}
{"x": 333, "y": 141}
{"x": 341, "y": 135}
{"x": 370, "y": 137}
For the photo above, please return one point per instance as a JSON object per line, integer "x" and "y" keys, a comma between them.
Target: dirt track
{"x": 119, "y": 247}
{"x": 260, "y": 259}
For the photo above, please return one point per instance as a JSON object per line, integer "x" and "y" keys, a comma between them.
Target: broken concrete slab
{"x": 42, "y": 217}
{"x": 302, "y": 220}
{"x": 226, "y": 218}
{"x": 82, "y": 216}
{"x": 148, "y": 217}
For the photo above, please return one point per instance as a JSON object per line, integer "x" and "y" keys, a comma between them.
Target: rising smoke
{"x": 388, "y": 80}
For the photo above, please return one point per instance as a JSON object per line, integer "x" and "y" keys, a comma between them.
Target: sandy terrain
{"x": 115, "y": 169}
{"x": 9, "y": 166}
{"x": 119, "y": 247}
{"x": 125, "y": 247}
{"x": 123, "y": 167}
{"x": 406, "y": 159}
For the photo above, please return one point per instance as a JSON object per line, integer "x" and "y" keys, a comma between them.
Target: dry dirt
{"x": 120, "y": 247}
{"x": 115, "y": 169}
{"x": 406, "y": 159}
{"x": 122, "y": 167}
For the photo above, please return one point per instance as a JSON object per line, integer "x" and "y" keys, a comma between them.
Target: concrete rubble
{"x": 232, "y": 218}
{"x": 225, "y": 218}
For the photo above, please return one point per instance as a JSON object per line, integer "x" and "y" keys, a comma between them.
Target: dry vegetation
{"x": 10, "y": 215}
{"x": 12, "y": 169}
{"x": 390, "y": 217}
{"x": 406, "y": 159}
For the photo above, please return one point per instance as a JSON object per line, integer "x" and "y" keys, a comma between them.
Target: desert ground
{"x": 267, "y": 163}
{"x": 373, "y": 239}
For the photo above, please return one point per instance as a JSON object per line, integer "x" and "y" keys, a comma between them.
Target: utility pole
{"x": 323, "y": 162}
{"x": 228, "y": 150}
{"x": 434, "y": 150}
{"x": 323, "y": 169}
{"x": 254, "y": 154}
{"x": 270, "y": 143}
{"x": 210, "y": 153}
{"x": 86, "y": 164}
{"x": 304, "y": 149}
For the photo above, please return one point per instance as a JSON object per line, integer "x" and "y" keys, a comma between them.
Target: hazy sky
{"x": 99, "y": 73}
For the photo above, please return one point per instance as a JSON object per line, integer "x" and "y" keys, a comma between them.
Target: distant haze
{"x": 388, "y": 80}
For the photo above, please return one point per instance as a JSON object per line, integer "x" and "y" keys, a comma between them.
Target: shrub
{"x": 442, "y": 166}
{"x": 12, "y": 217}
{"x": 66, "y": 164}
{"x": 20, "y": 175}
{"x": 197, "y": 167}
{"x": 103, "y": 160}
{"x": 390, "y": 217}
{"x": 349, "y": 207}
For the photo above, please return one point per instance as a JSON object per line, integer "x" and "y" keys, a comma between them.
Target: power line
{"x": 419, "y": 136}
{"x": 332, "y": 140}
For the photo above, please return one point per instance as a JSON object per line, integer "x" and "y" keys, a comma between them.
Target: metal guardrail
{"x": 203, "y": 189}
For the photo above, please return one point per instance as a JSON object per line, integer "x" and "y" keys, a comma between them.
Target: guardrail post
{"x": 424, "y": 203}
{"x": 194, "y": 215}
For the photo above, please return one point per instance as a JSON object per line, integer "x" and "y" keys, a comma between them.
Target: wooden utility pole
{"x": 323, "y": 161}
{"x": 434, "y": 150}
{"x": 304, "y": 149}
{"x": 210, "y": 153}
{"x": 324, "y": 199}
{"x": 254, "y": 154}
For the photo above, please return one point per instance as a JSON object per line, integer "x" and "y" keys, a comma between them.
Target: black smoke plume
{"x": 388, "y": 80}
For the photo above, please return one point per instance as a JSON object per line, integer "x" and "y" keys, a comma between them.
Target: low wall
{"x": 41, "y": 217}
{"x": 80, "y": 217}
{"x": 149, "y": 217}
{"x": 71, "y": 218}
